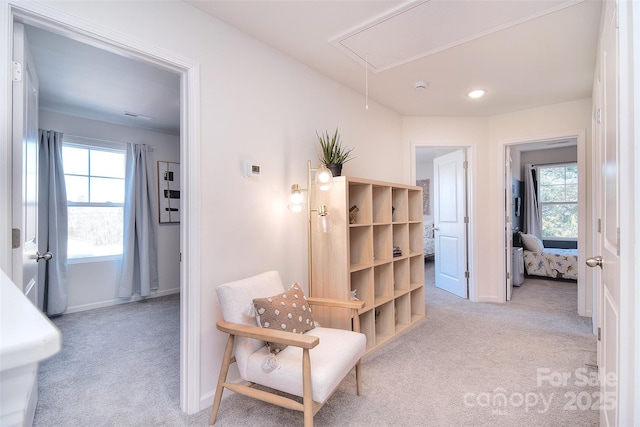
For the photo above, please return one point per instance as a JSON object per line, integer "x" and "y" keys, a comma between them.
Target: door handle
{"x": 595, "y": 261}
{"x": 45, "y": 256}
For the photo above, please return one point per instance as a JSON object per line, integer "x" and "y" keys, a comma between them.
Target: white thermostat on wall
{"x": 252, "y": 170}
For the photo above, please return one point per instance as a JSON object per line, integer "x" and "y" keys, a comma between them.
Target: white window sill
{"x": 92, "y": 259}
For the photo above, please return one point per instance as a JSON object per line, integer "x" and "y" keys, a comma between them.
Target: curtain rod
{"x": 153, "y": 147}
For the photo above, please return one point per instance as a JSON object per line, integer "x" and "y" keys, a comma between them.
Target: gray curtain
{"x": 52, "y": 223}
{"x": 139, "y": 274}
{"x": 532, "y": 222}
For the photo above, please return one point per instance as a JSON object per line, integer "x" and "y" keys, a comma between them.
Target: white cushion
{"x": 531, "y": 243}
{"x": 235, "y": 297}
{"x": 331, "y": 360}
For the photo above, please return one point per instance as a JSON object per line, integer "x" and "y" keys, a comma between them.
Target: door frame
{"x": 508, "y": 222}
{"x": 585, "y": 282}
{"x": 42, "y": 15}
{"x": 472, "y": 293}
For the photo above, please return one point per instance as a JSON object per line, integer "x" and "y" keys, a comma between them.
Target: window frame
{"x": 541, "y": 204}
{"x": 97, "y": 145}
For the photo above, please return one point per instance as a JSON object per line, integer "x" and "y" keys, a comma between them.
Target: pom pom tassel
{"x": 270, "y": 363}
{"x": 249, "y": 311}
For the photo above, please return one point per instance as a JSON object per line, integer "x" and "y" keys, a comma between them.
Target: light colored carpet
{"x": 451, "y": 370}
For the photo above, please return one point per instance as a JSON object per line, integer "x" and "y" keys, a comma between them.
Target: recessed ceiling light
{"x": 477, "y": 93}
{"x": 420, "y": 85}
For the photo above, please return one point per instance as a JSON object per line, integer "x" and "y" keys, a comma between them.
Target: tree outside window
{"x": 558, "y": 201}
{"x": 94, "y": 178}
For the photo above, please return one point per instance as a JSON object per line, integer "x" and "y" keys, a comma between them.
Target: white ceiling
{"x": 85, "y": 81}
{"x": 525, "y": 53}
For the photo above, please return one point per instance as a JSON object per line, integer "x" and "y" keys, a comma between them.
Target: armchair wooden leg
{"x": 307, "y": 390}
{"x": 224, "y": 369}
{"x": 359, "y": 377}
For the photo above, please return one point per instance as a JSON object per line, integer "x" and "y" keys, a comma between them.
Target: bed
{"x": 429, "y": 241}
{"x": 549, "y": 262}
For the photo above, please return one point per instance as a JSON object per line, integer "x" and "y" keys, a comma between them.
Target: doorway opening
{"x": 40, "y": 17}
{"x": 567, "y": 148}
{"x": 442, "y": 172}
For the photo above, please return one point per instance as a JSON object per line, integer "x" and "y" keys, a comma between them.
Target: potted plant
{"x": 334, "y": 155}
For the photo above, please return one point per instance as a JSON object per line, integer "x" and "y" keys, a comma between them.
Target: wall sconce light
{"x": 323, "y": 180}
{"x": 296, "y": 199}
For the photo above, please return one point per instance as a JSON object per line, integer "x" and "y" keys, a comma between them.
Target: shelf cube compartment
{"x": 381, "y": 204}
{"x": 368, "y": 328}
{"x": 382, "y": 243}
{"x": 400, "y": 205}
{"x": 362, "y": 283}
{"x": 401, "y": 239}
{"x": 401, "y": 282}
{"x": 383, "y": 283}
{"x": 361, "y": 246}
{"x": 417, "y": 304}
{"x": 402, "y": 312}
{"x": 416, "y": 238}
{"x": 416, "y": 271}
{"x": 415, "y": 205}
{"x": 384, "y": 320}
{"x": 360, "y": 196}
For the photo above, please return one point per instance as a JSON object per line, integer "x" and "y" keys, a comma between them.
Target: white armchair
{"x": 311, "y": 366}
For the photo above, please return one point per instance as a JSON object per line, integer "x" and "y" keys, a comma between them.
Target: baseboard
{"x": 206, "y": 400}
{"x": 109, "y": 303}
{"x": 488, "y": 299}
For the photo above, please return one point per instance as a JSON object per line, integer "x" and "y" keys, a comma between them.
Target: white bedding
{"x": 550, "y": 262}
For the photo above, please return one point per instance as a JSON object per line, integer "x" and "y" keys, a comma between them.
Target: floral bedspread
{"x": 556, "y": 263}
{"x": 429, "y": 241}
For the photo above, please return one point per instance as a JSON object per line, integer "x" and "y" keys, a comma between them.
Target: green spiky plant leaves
{"x": 332, "y": 150}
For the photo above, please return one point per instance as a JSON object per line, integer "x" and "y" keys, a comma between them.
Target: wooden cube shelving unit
{"x": 359, "y": 255}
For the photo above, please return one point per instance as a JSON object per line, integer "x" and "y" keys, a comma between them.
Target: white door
{"x": 450, "y": 228}
{"x": 25, "y": 168}
{"x": 609, "y": 239}
{"x": 508, "y": 231}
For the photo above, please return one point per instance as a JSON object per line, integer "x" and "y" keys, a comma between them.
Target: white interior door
{"x": 450, "y": 231}
{"x": 609, "y": 239}
{"x": 508, "y": 232}
{"x": 25, "y": 168}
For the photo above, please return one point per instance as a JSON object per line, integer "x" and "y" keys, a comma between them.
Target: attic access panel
{"x": 423, "y": 28}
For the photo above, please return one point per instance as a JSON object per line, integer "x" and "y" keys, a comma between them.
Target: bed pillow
{"x": 531, "y": 243}
{"x": 288, "y": 311}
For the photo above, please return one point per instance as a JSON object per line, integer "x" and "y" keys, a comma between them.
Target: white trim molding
{"x": 473, "y": 293}
{"x": 585, "y": 287}
{"x": 52, "y": 19}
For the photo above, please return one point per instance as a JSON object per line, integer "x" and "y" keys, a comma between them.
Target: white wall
{"x": 486, "y": 138}
{"x": 254, "y": 103}
{"x": 540, "y": 124}
{"x": 550, "y": 156}
{"x": 458, "y": 132}
{"x": 257, "y": 103}
{"x": 424, "y": 170}
{"x": 95, "y": 284}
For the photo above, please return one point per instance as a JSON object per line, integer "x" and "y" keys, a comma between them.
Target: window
{"x": 94, "y": 178}
{"x": 558, "y": 200}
